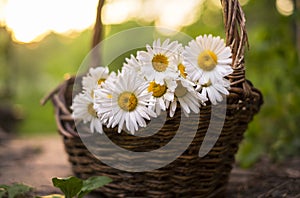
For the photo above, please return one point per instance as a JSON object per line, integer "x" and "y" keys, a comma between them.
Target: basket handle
{"x": 237, "y": 39}
{"x": 235, "y": 28}
{"x": 98, "y": 33}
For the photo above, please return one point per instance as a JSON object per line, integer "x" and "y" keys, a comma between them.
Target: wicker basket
{"x": 189, "y": 175}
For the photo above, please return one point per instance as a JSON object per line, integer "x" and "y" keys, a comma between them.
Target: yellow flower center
{"x": 207, "y": 60}
{"x": 101, "y": 80}
{"x": 92, "y": 93}
{"x": 157, "y": 89}
{"x": 181, "y": 68}
{"x": 91, "y": 110}
{"x": 207, "y": 84}
{"x": 127, "y": 101}
{"x": 160, "y": 62}
{"x": 180, "y": 91}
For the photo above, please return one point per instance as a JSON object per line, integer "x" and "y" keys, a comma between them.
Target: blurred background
{"x": 44, "y": 42}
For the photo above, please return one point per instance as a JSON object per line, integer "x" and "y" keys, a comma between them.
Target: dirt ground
{"x": 36, "y": 160}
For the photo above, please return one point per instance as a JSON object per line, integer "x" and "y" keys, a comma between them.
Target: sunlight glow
{"x": 285, "y": 7}
{"x": 118, "y": 12}
{"x": 31, "y": 20}
{"x": 177, "y": 13}
{"x": 2, "y": 12}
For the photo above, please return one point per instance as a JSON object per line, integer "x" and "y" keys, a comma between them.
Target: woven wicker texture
{"x": 189, "y": 175}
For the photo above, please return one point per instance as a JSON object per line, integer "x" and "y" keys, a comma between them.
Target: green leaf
{"x": 3, "y": 186}
{"x": 93, "y": 183}
{"x": 14, "y": 190}
{"x": 3, "y": 190}
{"x": 70, "y": 186}
{"x": 2, "y": 193}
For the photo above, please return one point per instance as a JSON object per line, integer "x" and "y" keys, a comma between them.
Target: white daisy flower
{"x": 158, "y": 62}
{"x": 188, "y": 98}
{"x": 94, "y": 78}
{"x": 124, "y": 101}
{"x": 180, "y": 67}
{"x": 162, "y": 95}
{"x": 132, "y": 64}
{"x": 83, "y": 110}
{"x": 207, "y": 57}
{"x": 214, "y": 91}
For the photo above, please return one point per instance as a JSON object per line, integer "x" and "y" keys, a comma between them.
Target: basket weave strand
{"x": 188, "y": 175}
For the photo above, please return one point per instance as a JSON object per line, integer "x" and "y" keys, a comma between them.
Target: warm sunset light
{"x": 31, "y": 20}
{"x": 285, "y": 7}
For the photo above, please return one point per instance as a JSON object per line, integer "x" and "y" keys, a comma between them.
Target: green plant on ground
{"x": 14, "y": 191}
{"x": 74, "y": 187}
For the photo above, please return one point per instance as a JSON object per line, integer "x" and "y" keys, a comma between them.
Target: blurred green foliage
{"x": 34, "y": 70}
{"x": 272, "y": 65}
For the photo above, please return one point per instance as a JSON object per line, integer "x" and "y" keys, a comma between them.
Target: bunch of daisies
{"x": 158, "y": 79}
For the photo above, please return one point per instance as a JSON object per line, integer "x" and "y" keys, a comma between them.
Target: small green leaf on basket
{"x": 70, "y": 186}
{"x": 93, "y": 183}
